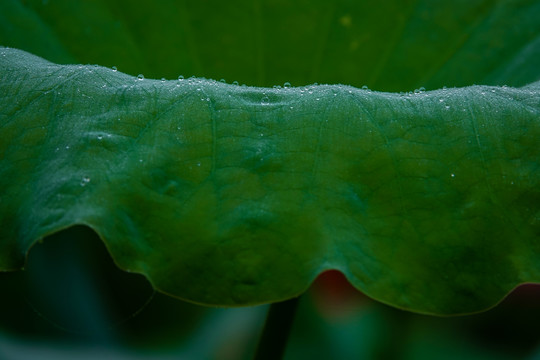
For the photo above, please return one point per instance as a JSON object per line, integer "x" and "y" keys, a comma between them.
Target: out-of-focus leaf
{"x": 375, "y": 331}
{"x": 389, "y": 45}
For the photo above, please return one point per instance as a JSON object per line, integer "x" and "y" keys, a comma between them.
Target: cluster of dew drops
{"x": 265, "y": 100}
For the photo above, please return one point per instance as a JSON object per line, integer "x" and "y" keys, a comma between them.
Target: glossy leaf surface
{"x": 230, "y": 195}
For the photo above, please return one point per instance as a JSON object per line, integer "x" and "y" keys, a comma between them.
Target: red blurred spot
{"x": 334, "y": 296}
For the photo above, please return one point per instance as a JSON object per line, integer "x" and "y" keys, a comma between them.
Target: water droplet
{"x": 140, "y": 77}
{"x": 181, "y": 78}
{"x": 444, "y": 88}
{"x": 100, "y": 137}
{"x": 287, "y": 85}
{"x": 235, "y": 82}
{"x": 198, "y": 89}
{"x": 223, "y": 81}
{"x": 317, "y": 99}
{"x": 453, "y": 175}
{"x": 441, "y": 100}
{"x": 85, "y": 180}
{"x": 261, "y": 134}
{"x": 447, "y": 107}
{"x": 365, "y": 87}
{"x": 265, "y": 100}
{"x": 162, "y": 79}
{"x": 67, "y": 147}
{"x": 140, "y": 160}
{"x": 198, "y": 164}
{"x": 114, "y": 68}
{"x": 291, "y": 107}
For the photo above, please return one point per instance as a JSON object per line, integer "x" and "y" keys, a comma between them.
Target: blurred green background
{"x": 72, "y": 302}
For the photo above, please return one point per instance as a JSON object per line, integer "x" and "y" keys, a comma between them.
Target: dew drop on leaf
{"x": 140, "y": 77}
{"x": 85, "y": 180}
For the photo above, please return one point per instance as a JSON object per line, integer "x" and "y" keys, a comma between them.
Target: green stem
{"x": 273, "y": 340}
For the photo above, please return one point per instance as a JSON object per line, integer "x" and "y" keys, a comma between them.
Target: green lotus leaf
{"x": 233, "y": 195}
{"x": 389, "y": 45}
